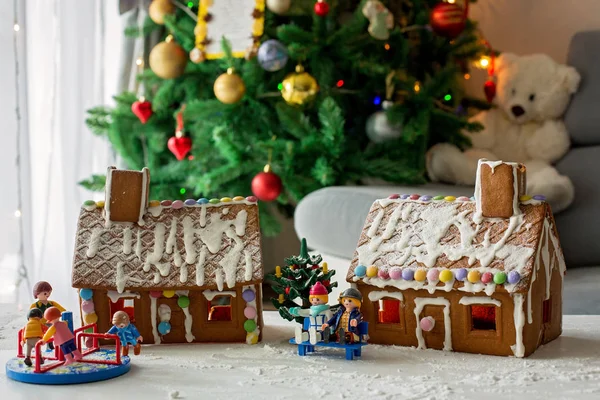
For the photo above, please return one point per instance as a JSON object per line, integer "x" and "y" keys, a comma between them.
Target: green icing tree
{"x": 319, "y": 144}
{"x": 293, "y": 282}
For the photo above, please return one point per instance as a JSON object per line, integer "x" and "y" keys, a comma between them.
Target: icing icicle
{"x": 94, "y": 242}
{"x": 153, "y": 312}
{"x": 200, "y": 267}
{"x": 127, "y": 240}
{"x": 469, "y": 300}
{"x": 249, "y": 269}
{"x": 380, "y": 294}
{"x": 211, "y": 294}
{"x": 519, "y": 320}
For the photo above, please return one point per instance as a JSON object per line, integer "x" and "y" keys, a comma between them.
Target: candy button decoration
{"x": 89, "y": 203}
{"x": 450, "y": 198}
{"x": 438, "y": 198}
{"x": 164, "y": 328}
{"x": 202, "y": 201}
{"x": 372, "y": 271}
{"x": 100, "y": 204}
{"x": 238, "y": 198}
{"x": 87, "y": 306}
{"x": 250, "y": 325}
{"x": 433, "y": 275}
{"x": 250, "y": 312}
{"x": 248, "y": 295}
{"x": 166, "y": 203}
{"x": 86, "y": 294}
{"x": 427, "y": 324}
{"x": 395, "y": 273}
{"x": 177, "y": 204}
{"x": 183, "y": 301}
{"x": 251, "y": 199}
{"x": 190, "y": 202}
{"x": 251, "y": 338}
{"x": 420, "y": 275}
{"x": 525, "y": 198}
{"x": 214, "y": 201}
{"x": 408, "y": 274}
{"x": 446, "y": 275}
{"x": 499, "y": 278}
{"x": 226, "y": 200}
{"x": 383, "y": 273}
{"x": 168, "y": 293}
{"x": 155, "y": 294}
{"x": 153, "y": 203}
{"x": 414, "y": 196}
{"x": 360, "y": 271}
{"x": 425, "y": 198}
{"x": 487, "y": 277}
{"x": 462, "y": 198}
{"x": 461, "y": 274}
{"x": 514, "y": 277}
{"x": 405, "y": 196}
{"x": 91, "y": 318}
{"x": 393, "y": 196}
{"x": 539, "y": 197}
{"x": 474, "y": 276}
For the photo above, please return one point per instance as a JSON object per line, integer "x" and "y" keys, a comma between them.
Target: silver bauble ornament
{"x": 278, "y": 7}
{"x": 379, "y": 129}
{"x": 272, "y": 55}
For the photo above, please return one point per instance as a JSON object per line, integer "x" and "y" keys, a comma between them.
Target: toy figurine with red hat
{"x": 318, "y": 313}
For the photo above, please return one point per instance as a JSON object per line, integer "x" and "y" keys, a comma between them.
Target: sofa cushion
{"x": 582, "y": 117}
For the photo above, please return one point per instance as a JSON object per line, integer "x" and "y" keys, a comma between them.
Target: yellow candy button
{"x": 238, "y": 198}
{"x": 449, "y": 198}
{"x": 474, "y": 276}
{"x": 90, "y": 318}
{"x": 446, "y": 275}
{"x": 372, "y": 271}
{"x": 525, "y": 198}
{"x": 154, "y": 203}
{"x": 225, "y": 199}
{"x": 420, "y": 275}
{"x": 168, "y": 293}
{"x": 100, "y": 204}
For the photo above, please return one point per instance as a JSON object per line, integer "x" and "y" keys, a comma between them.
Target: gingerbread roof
{"x": 175, "y": 246}
{"x": 404, "y": 239}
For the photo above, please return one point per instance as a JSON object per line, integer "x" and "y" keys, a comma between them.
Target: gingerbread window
{"x": 387, "y": 311}
{"x": 219, "y": 309}
{"x": 483, "y": 318}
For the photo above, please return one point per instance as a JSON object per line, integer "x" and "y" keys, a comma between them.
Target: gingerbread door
{"x": 434, "y": 339}
{"x": 433, "y": 323}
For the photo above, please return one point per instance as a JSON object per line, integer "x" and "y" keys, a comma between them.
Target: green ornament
{"x": 499, "y": 278}
{"x": 250, "y": 326}
{"x": 183, "y": 301}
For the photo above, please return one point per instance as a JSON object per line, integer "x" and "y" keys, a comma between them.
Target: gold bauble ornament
{"x": 278, "y": 7}
{"x": 168, "y": 59}
{"x": 299, "y": 87}
{"x": 229, "y": 87}
{"x": 159, "y": 8}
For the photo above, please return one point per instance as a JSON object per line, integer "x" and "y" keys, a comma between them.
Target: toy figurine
{"x": 127, "y": 332}
{"x": 344, "y": 322}
{"x": 62, "y": 335}
{"x": 318, "y": 314}
{"x": 33, "y": 331}
{"x": 42, "y": 291}
{"x": 381, "y": 20}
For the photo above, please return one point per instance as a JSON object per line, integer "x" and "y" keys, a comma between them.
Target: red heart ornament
{"x": 179, "y": 146}
{"x": 490, "y": 90}
{"x": 142, "y": 110}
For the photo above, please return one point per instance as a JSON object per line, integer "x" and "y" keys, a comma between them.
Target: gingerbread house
{"x": 477, "y": 275}
{"x": 185, "y": 271}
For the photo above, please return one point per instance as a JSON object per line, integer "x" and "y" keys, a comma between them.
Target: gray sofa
{"x": 343, "y": 209}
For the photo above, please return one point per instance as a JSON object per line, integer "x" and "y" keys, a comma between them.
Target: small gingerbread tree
{"x": 294, "y": 280}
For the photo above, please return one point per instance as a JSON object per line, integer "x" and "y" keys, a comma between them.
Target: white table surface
{"x": 568, "y": 368}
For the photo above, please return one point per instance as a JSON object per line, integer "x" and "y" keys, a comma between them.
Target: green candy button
{"x": 89, "y": 203}
{"x": 183, "y": 301}
{"x": 250, "y": 325}
{"x": 439, "y": 197}
{"x": 214, "y": 201}
{"x": 499, "y": 278}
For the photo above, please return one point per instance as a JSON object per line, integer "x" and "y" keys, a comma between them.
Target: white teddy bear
{"x": 532, "y": 94}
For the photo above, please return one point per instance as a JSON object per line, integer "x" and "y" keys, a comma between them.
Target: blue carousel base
{"x": 78, "y": 372}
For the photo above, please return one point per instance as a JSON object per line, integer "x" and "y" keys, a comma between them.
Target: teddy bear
{"x": 533, "y": 92}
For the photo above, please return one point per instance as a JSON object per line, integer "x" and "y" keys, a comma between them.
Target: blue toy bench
{"x": 352, "y": 349}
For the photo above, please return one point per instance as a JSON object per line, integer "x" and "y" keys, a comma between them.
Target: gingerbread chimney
{"x": 498, "y": 187}
{"x": 126, "y": 195}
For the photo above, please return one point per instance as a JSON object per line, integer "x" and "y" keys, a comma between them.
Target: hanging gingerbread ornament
{"x": 321, "y": 8}
{"x": 159, "y": 8}
{"x": 142, "y": 109}
{"x": 229, "y": 87}
{"x": 299, "y": 88}
{"x": 449, "y": 19}
{"x": 168, "y": 59}
{"x": 278, "y": 7}
{"x": 180, "y": 145}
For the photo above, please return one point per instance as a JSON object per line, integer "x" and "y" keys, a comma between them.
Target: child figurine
{"x": 345, "y": 321}
{"x": 127, "y": 332}
{"x": 318, "y": 314}
{"x": 41, "y": 292}
{"x": 62, "y": 335}
{"x": 32, "y": 332}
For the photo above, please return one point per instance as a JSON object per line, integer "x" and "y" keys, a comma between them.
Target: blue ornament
{"x": 164, "y": 328}
{"x": 272, "y": 55}
{"x": 86, "y": 294}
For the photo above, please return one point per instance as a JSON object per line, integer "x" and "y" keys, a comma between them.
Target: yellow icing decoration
{"x": 446, "y": 275}
{"x": 372, "y": 271}
{"x": 449, "y": 198}
{"x": 238, "y": 198}
{"x": 420, "y": 275}
{"x": 474, "y": 276}
{"x": 168, "y": 293}
{"x": 154, "y": 203}
{"x": 226, "y": 199}
{"x": 525, "y": 198}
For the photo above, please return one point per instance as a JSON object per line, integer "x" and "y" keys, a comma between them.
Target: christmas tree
{"x": 292, "y": 283}
{"x": 367, "y": 88}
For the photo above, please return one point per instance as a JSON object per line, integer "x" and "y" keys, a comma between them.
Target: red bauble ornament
{"x": 448, "y": 19}
{"x": 179, "y": 146}
{"x": 490, "y": 90}
{"x": 267, "y": 185}
{"x": 321, "y": 8}
{"x": 287, "y": 290}
{"x": 142, "y": 109}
